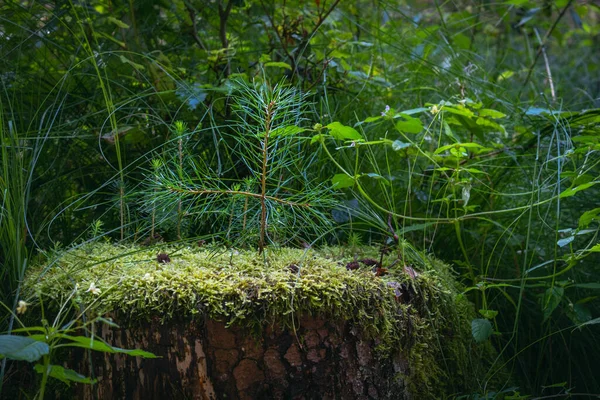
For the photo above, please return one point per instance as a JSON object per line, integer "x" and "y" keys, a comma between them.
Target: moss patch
{"x": 416, "y": 309}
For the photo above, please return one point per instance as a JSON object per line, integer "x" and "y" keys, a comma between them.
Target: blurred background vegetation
{"x": 474, "y": 133}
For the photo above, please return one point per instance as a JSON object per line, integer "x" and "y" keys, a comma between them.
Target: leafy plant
{"x": 39, "y": 343}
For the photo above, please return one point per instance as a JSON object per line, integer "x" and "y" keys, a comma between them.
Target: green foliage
{"x": 42, "y": 342}
{"x": 470, "y": 128}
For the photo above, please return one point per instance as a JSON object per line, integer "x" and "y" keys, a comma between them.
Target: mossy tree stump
{"x": 296, "y": 325}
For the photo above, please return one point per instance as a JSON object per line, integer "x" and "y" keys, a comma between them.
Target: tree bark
{"x": 320, "y": 360}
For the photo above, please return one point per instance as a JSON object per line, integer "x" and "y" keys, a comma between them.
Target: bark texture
{"x": 320, "y": 360}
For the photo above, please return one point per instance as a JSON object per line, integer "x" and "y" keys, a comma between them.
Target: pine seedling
{"x": 265, "y": 195}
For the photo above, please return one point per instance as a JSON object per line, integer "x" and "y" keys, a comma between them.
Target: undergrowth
{"x": 468, "y": 128}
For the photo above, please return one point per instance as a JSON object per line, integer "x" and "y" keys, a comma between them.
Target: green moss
{"x": 430, "y": 324}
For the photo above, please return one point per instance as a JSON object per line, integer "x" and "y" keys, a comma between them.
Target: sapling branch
{"x": 207, "y": 192}
{"x": 263, "y": 205}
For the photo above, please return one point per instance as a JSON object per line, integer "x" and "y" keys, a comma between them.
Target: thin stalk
{"x": 44, "y": 377}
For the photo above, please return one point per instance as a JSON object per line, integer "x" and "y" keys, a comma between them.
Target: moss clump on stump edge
{"x": 424, "y": 317}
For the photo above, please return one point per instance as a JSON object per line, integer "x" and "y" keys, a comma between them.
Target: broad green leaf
{"x": 410, "y": 125}
{"x": 22, "y": 348}
{"x": 588, "y": 217}
{"x": 486, "y": 112}
{"x": 551, "y": 300}
{"x": 488, "y": 314}
{"x": 595, "y": 248}
{"x": 340, "y": 181}
{"x": 565, "y": 241}
{"x": 481, "y": 329}
{"x": 573, "y": 190}
{"x": 64, "y": 374}
{"x": 343, "y": 132}
{"x": 99, "y": 345}
{"x": 411, "y": 111}
{"x": 490, "y": 124}
{"x": 278, "y": 64}
{"x": 465, "y": 112}
{"x": 458, "y": 146}
{"x": 462, "y": 41}
{"x": 538, "y": 111}
{"x": 373, "y": 119}
{"x": 586, "y": 139}
{"x": 399, "y": 145}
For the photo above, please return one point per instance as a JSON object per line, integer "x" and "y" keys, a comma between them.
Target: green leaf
{"x": 551, "y": 300}
{"x": 579, "y": 314}
{"x": 573, "y": 190}
{"x": 595, "y": 248}
{"x": 486, "y": 112}
{"x": 64, "y": 374}
{"x": 412, "y": 111}
{"x": 488, "y": 314}
{"x": 459, "y": 111}
{"x": 481, "y": 329}
{"x": 317, "y": 138}
{"x": 137, "y": 66}
{"x": 590, "y": 285}
{"x": 399, "y": 145}
{"x": 473, "y": 170}
{"x": 505, "y": 75}
{"x": 410, "y": 125}
{"x": 588, "y": 217}
{"x": 118, "y": 23}
{"x": 490, "y": 124}
{"x": 343, "y": 132}
{"x": 377, "y": 176}
{"x": 565, "y": 241}
{"x": 590, "y": 322}
{"x": 458, "y": 146}
{"x": 340, "y": 181}
{"x": 22, "y": 348}
{"x": 278, "y": 64}
{"x": 98, "y": 345}
{"x": 372, "y": 119}
{"x": 448, "y": 132}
